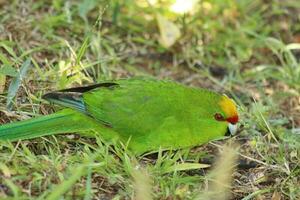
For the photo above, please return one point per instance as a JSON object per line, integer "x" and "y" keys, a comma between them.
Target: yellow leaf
{"x": 276, "y": 196}
{"x": 5, "y": 170}
{"x": 2, "y": 83}
{"x": 169, "y": 32}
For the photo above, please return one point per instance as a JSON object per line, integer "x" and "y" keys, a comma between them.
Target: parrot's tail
{"x": 65, "y": 121}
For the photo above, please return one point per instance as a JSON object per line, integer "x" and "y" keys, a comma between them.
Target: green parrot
{"x": 144, "y": 113}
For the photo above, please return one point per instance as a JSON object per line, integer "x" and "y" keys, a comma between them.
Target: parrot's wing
{"x": 72, "y": 97}
{"x": 136, "y": 104}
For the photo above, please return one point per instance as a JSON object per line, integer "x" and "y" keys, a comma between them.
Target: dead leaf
{"x": 2, "y": 83}
{"x": 169, "y": 31}
{"x": 276, "y": 196}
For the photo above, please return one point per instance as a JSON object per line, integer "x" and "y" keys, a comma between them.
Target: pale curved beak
{"x": 232, "y": 128}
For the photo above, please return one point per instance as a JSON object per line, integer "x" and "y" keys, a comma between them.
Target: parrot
{"x": 146, "y": 114}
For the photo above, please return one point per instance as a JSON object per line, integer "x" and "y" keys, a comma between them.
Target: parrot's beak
{"x": 232, "y": 128}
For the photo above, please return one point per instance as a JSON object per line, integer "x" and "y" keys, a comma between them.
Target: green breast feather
{"x": 145, "y": 113}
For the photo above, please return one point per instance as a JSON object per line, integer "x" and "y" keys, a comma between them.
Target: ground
{"x": 249, "y": 50}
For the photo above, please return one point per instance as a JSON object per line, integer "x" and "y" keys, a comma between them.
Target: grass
{"x": 247, "y": 49}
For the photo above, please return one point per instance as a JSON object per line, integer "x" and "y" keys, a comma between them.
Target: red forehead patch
{"x": 233, "y": 120}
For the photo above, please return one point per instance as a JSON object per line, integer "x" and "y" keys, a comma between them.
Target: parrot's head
{"x": 228, "y": 113}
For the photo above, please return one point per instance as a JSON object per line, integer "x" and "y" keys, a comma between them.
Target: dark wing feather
{"x": 90, "y": 87}
{"x": 72, "y": 97}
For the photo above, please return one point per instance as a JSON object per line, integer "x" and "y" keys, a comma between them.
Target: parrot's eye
{"x": 219, "y": 117}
